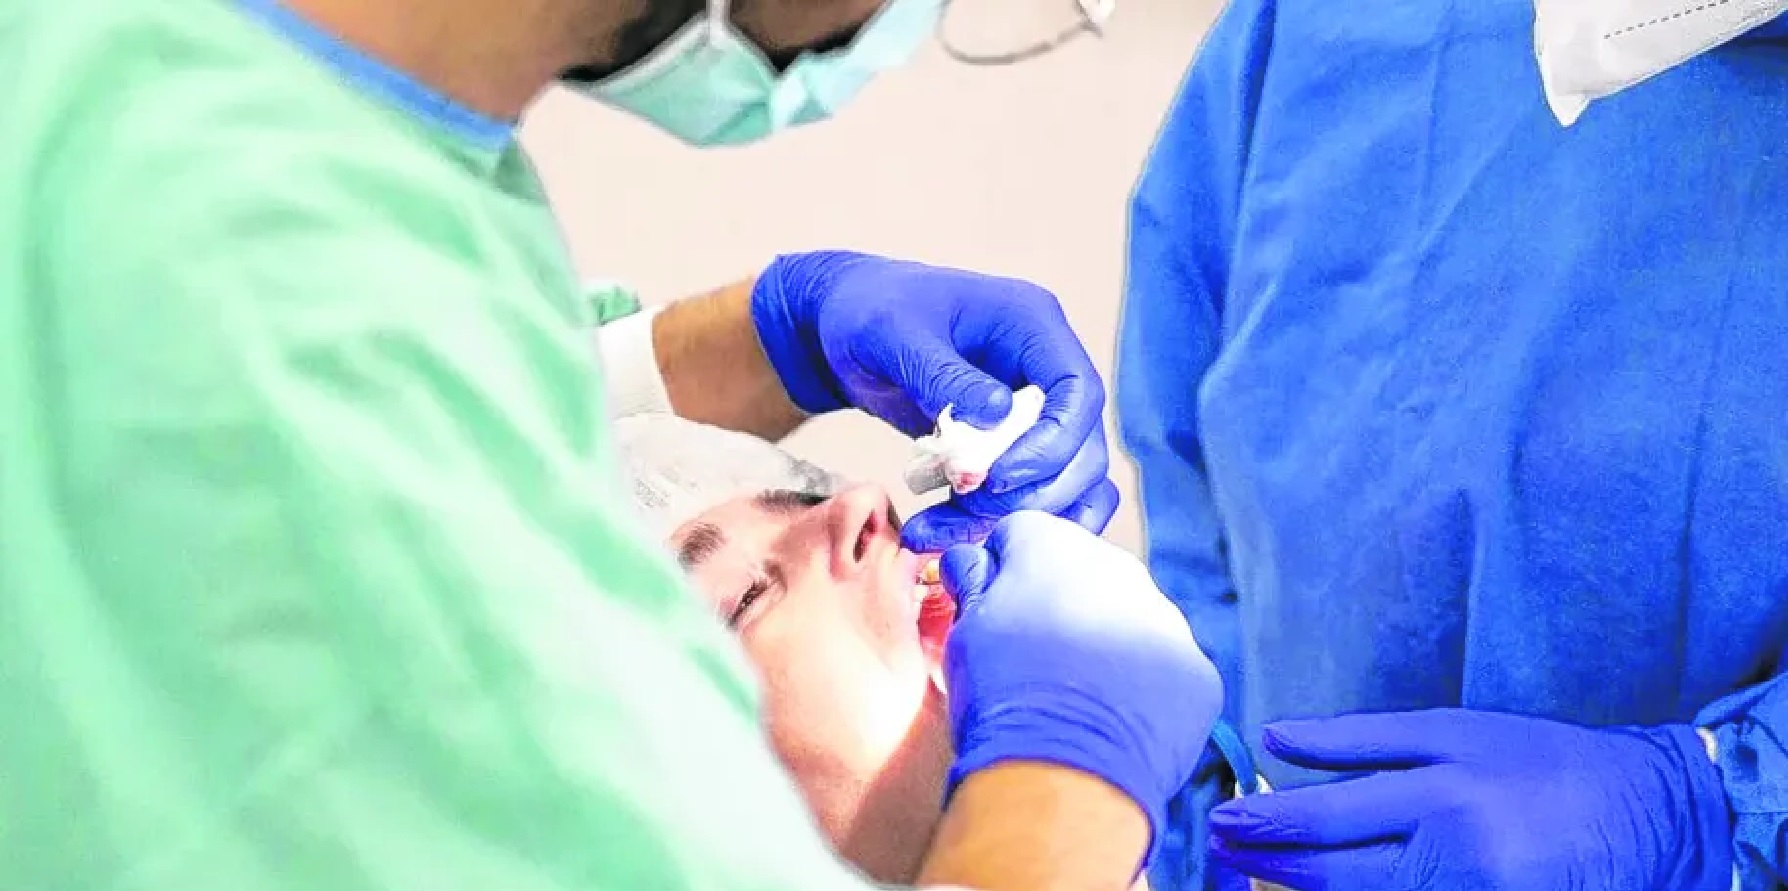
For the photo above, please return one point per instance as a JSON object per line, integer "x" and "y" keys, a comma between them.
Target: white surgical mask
{"x": 710, "y": 86}
{"x": 1591, "y": 49}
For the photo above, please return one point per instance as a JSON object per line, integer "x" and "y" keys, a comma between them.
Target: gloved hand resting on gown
{"x": 1488, "y": 802}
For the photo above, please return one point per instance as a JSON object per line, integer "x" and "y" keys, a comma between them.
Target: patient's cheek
{"x": 809, "y": 680}
{"x": 802, "y": 728}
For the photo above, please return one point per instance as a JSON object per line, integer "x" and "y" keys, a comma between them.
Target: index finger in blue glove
{"x": 1073, "y": 410}
{"x": 1095, "y": 509}
{"x": 944, "y": 525}
{"x": 966, "y": 571}
{"x": 1085, "y": 470}
{"x": 1314, "y": 869}
{"x": 1351, "y": 812}
{"x": 1014, "y": 331}
{"x": 945, "y": 378}
{"x": 1378, "y": 741}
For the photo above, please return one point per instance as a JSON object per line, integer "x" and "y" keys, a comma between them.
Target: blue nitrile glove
{"x": 1064, "y": 651}
{"x": 1483, "y": 801}
{"x": 902, "y": 340}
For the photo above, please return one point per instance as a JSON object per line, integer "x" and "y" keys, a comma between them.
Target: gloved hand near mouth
{"x": 1065, "y": 652}
{"x": 903, "y": 340}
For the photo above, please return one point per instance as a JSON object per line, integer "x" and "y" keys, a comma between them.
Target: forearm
{"x": 1038, "y": 827}
{"x": 714, "y": 368}
{"x": 700, "y": 358}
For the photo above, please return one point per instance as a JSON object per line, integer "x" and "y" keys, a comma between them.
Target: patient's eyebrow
{"x": 787, "y": 501}
{"x": 702, "y": 543}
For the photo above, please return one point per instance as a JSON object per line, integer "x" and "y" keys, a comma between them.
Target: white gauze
{"x": 959, "y": 454}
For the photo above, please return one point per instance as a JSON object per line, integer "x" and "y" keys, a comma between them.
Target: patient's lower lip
{"x": 937, "y": 615}
{"x": 936, "y": 609}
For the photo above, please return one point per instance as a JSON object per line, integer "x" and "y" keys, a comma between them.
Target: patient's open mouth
{"x": 937, "y": 609}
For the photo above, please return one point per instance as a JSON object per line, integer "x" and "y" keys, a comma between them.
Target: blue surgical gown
{"x": 1437, "y": 403}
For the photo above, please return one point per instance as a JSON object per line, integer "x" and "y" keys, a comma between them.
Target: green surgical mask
{"x": 709, "y": 85}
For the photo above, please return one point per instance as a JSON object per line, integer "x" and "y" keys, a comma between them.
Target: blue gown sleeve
{"x": 1751, "y": 727}
{"x": 1182, "y": 231}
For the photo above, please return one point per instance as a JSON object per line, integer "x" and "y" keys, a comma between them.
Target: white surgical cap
{"x": 674, "y": 469}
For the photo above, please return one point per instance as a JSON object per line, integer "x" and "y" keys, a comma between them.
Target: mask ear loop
{"x": 1093, "y": 15}
{"x": 720, "y": 20}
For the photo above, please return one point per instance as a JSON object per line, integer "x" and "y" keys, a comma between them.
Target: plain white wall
{"x": 1022, "y": 170}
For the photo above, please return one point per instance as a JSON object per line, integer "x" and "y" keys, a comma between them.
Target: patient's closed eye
{"x": 752, "y": 595}
{"x": 770, "y": 580}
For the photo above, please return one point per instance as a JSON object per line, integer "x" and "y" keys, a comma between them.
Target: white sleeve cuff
{"x": 632, "y": 381}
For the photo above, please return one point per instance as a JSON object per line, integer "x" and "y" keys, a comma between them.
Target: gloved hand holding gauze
{"x": 959, "y": 454}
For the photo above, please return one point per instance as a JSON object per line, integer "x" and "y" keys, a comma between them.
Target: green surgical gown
{"x": 312, "y": 573}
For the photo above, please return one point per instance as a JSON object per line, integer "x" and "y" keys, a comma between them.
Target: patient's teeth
{"x": 928, "y": 573}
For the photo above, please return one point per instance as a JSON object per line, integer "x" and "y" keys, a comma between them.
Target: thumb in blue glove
{"x": 903, "y": 340}
{"x": 1064, "y": 651}
{"x": 1476, "y": 800}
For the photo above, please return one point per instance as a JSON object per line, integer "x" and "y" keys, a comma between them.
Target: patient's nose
{"x": 862, "y": 526}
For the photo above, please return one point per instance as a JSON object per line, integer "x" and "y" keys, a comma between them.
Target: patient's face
{"x": 826, "y": 604}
